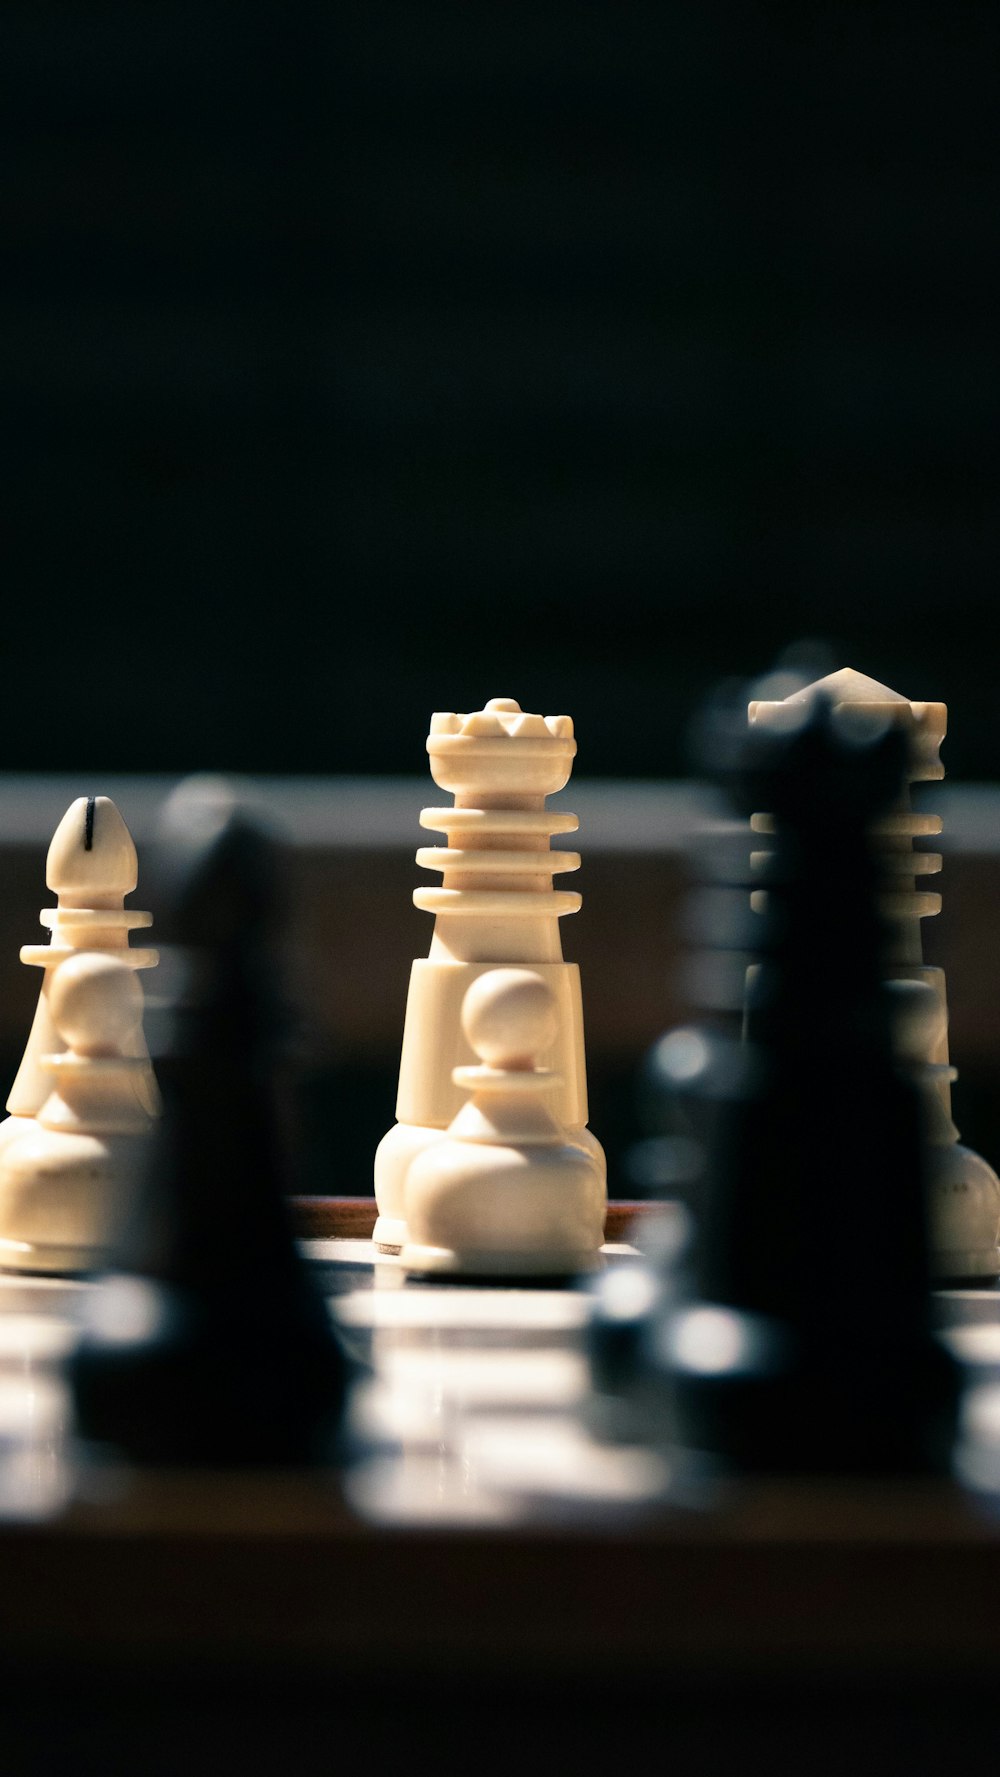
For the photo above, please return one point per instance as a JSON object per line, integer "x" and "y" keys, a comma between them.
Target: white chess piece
{"x": 505, "y": 1193}
{"x": 91, "y": 866}
{"x": 966, "y": 1185}
{"x": 64, "y": 1182}
{"x": 964, "y": 1192}
{"x": 496, "y": 906}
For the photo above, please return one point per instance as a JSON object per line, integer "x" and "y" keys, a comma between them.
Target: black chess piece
{"x": 210, "y": 1341}
{"x": 807, "y": 1345}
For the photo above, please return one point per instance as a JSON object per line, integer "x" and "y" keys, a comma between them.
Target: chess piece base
{"x": 442, "y": 1261}
{"x": 59, "y": 1197}
{"x": 490, "y": 1210}
{"x": 45, "y": 1261}
{"x": 12, "y": 1128}
{"x": 397, "y": 1151}
{"x": 964, "y": 1211}
{"x": 393, "y": 1158}
{"x": 389, "y": 1234}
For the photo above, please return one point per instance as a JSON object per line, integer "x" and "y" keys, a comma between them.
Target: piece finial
{"x": 500, "y": 746}
{"x": 927, "y": 722}
{"x": 92, "y": 854}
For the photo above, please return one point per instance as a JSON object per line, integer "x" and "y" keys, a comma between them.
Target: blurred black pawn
{"x": 209, "y": 1343}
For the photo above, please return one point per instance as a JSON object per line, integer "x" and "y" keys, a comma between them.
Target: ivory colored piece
{"x": 64, "y": 1183}
{"x": 965, "y": 1200}
{"x": 91, "y": 867}
{"x": 505, "y": 1193}
{"x": 496, "y": 906}
{"x": 965, "y": 1191}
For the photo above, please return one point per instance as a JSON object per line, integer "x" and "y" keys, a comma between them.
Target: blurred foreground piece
{"x": 965, "y": 1191}
{"x": 810, "y": 1346}
{"x": 496, "y": 907}
{"x": 506, "y": 1193}
{"x": 67, "y": 1182}
{"x": 210, "y": 1342}
{"x": 91, "y": 867}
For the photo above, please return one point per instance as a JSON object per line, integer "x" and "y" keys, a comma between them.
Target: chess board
{"x": 470, "y": 1405}
{"x": 473, "y": 1407}
{"x": 474, "y": 1404}
{"x": 486, "y": 1546}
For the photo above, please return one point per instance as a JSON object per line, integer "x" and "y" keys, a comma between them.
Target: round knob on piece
{"x": 508, "y": 704}
{"x": 92, "y": 854}
{"x": 96, "y": 1003}
{"x": 509, "y": 1017}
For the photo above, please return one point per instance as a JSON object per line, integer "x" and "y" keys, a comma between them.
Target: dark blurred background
{"x": 372, "y": 358}
{"x": 367, "y": 359}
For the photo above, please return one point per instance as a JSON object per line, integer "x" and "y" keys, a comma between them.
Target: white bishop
{"x": 91, "y": 867}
